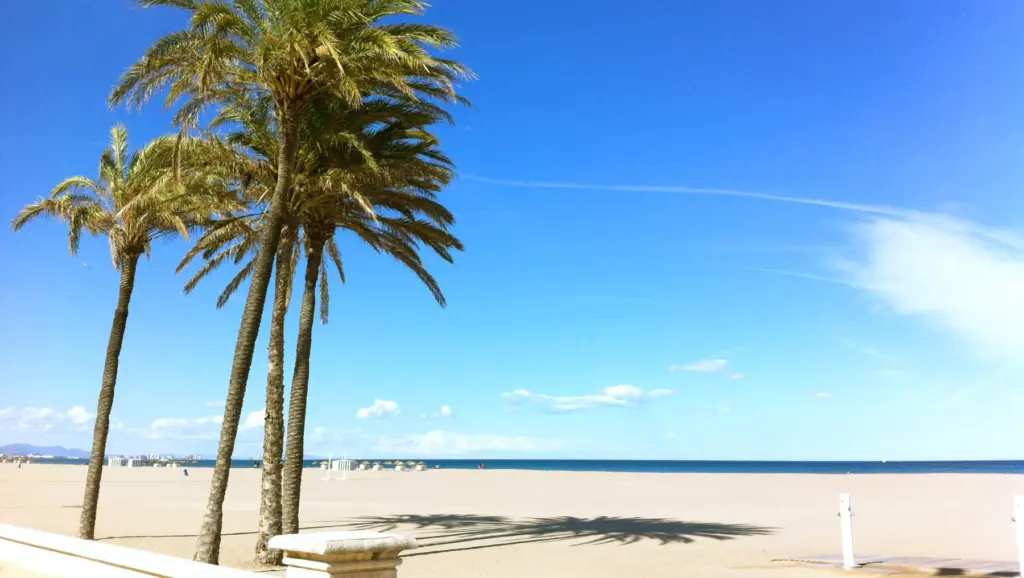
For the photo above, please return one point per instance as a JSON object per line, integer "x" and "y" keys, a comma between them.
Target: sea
{"x": 675, "y": 466}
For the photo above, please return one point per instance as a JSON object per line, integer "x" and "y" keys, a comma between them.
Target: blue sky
{"x": 694, "y": 230}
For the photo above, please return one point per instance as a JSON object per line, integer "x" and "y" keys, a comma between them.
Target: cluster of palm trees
{"x": 319, "y": 117}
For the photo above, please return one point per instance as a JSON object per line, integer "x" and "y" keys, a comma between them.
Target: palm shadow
{"x": 453, "y": 533}
{"x": 322, "y": 526}
{"x": 441, "y": 533}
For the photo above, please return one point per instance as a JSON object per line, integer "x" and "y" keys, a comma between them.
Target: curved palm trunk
{"x": 87, "y": 523}
{"x": 208, "y": 543}
{"x": 300, "y": 385}
{"x": 273, "y": 429}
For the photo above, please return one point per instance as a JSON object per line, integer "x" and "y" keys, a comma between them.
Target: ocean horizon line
{"x": 658, "y": 466}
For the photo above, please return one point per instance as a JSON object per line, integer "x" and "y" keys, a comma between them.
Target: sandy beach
{"x": 551, "y": 524}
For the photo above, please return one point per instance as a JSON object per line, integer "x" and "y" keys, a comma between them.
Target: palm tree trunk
{"x": 208, "y": 543}
{"x": 273, "y": 429}
{"x": 300, "y": 386}
{"x": 87, "y": 523}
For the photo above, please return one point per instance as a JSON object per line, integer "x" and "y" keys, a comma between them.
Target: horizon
{"x": 807, "y": 247}
{"x": 483, "y": 458}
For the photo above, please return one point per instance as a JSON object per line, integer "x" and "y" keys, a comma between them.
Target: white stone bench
{"x": 336, "y": 554}
{"x": 312, "y": 555}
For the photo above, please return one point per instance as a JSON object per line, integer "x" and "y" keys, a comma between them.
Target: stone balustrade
{"x": 312, "y": 555}
{"x": 58, "y": 555}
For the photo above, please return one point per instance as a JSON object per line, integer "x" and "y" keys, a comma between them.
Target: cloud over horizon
{"x": 169, "y": 428}
{"x": 440, "y": 442}
{"x": 30, "y": 419}
{"x": 444, "y": 413}
{"x": 611, "y": 396}
{"x": 380, "y": 408}
{"x": 701, "y": 366}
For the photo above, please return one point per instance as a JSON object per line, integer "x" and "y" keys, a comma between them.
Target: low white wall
{"x": 49, "y": 554}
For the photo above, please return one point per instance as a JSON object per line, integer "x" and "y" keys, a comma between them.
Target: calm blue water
{"x": 717, "y": 467}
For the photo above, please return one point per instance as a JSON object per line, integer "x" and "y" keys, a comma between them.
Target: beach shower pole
{"x": 1018, "y": 518}
{"x": 846, "y": 524}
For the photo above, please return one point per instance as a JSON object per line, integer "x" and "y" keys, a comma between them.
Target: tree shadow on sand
{"x": 441, "y": 533}
{"x": 470, "y": 532}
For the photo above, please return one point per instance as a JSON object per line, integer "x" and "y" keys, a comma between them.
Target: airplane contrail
{"x": 949, "y": 222}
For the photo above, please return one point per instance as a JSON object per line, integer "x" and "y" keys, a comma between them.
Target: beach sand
{"x": 510, "y": 524}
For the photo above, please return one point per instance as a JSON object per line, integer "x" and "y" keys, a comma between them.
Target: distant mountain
{"x": 25, "y": 449}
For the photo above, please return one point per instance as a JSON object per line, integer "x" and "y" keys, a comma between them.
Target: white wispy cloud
{"x": 865, "y": 349}
{"x": 440, "y": 442}
{"x": 332, "y": 439}
{"x": 199, "y": 428}
{"x": 380, "y": 408}
{"x": 214, "y": 403}
{"x": 822, "y": 394}
{"x": 45, "y": 418}
{"x": 611, "y": 396}
{"x": 255, "y": 419}
{"x": 702, "y": 366}
{"x": 444, "y": 413}
{"x": 172, "y": 422}
{"x": 78, "y": 415}
{"x": 182, "y": 428}
{"x": 956, "y": 275}
{"x": 800, "y": 275}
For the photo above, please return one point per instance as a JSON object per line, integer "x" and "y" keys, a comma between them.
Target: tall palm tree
{"x": 135, "y": 200}
{"x": 254, "y": 144}
{"x": 408, "y": 170}
{"x": 290, "y": 51}
{"x": 342, "y": 144}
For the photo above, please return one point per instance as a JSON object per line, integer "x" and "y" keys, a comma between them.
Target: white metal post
{"x": 344, "y": 466}
{"x": 1018, "y": 517}
{"x": 846, "y": 525}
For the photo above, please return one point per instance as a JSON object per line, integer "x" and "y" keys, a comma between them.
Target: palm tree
{"x": 290, "y": 51}
{"x": 342, "y": 143}
{"x": 135, "y": 201}
{"x": 251, "y": 151}
{"x": 408, "y": 170}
